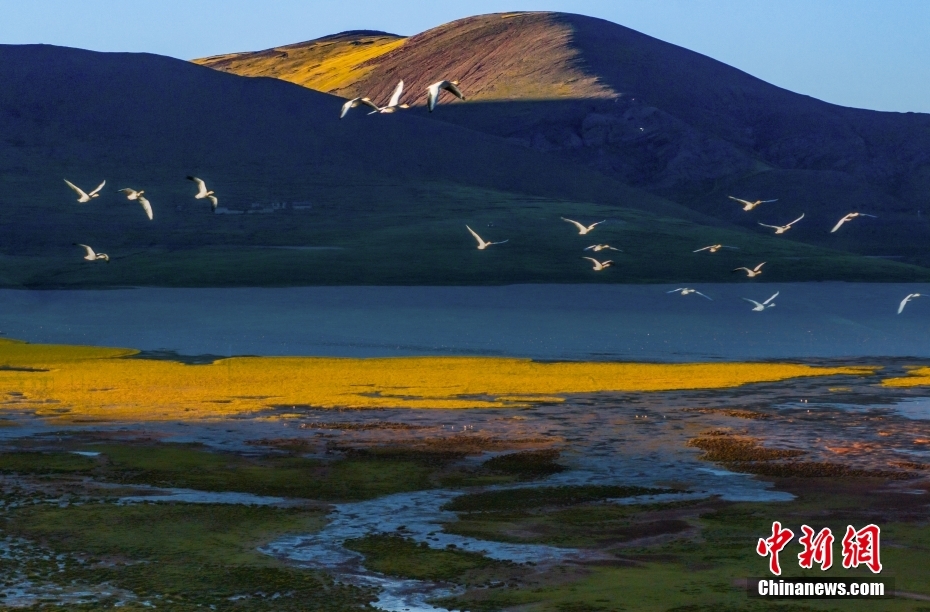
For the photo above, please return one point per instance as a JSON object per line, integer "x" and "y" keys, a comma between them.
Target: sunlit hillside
{"x": 329, "y": 64}
{"x": 651, "y": 114}
{"x": 505, "y": 56}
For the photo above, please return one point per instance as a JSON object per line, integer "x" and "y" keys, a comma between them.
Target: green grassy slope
{"x": 390, "y": 195}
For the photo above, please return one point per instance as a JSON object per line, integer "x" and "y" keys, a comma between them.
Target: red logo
{"x": 817, "y": 549}
{"x": 770, "y": 547}
{"x": 862, "y": 547}
{"x": 859, "y": 547}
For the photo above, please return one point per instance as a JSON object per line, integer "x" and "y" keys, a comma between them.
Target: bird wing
{"x": 704, "y": 249}
{"x": 767, "y": 201}
{"x": 348, "y": 105}
{"x": 99, "y": 187}
{"x": 146, "y": 206}
{"x": 741, "y": 201}
{"x": 432, "y": 96}
{"x": 591, "y": 227}
{"x": 703, "y": 296}
{"x": 90, "y": 251}
{"x": 131, "y": 194}
{"x": 759, "y": 267}
{"x": 575, "y": 223}
{"x": 612, "y": 249}
{"x": 753, "y": 302}
{"x": 395, "y": 97}
{"x": 501, "y": 242}
{"x": 596, "y": 262}
{"x": 772, "y": 298}
{"x": 676, "y": 290}
{"x": 214, "y": 201}
{"x": 865, "y": 215}
{"x": 369, "y": 103}
{"x": 477, "y": 237}
{"x": 903, "y": 303}
{"x": 840, "y": 223}
{"x": 772, "y": 226}
{"x": 593, "y": 246}
{"x": 77, "y": 189}
{"x": 200, "y": 185}
{"x": 738, "y": 269}
{"x": 796, "y": 220}
{"x": 729, "y": 247}
{"x": 451, "y": 88}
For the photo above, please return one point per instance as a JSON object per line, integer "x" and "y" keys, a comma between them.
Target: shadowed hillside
{"x": 315, "y": 200}
{"x": 669, "y": 120}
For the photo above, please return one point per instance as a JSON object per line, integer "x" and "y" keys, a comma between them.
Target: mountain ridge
{"x": 665, "y": 119}
{"x": 381, "y": 199}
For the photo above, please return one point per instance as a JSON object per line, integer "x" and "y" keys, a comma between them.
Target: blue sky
{"x": 863, "y": 53}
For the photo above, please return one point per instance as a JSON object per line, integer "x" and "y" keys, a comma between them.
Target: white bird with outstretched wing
{"x": 482, "y": 244}
{"x": 757, "y": 307}
{"x": 85, "y": 197}
{"x": 433, "y": 91}
{"x": 849, "y": 217}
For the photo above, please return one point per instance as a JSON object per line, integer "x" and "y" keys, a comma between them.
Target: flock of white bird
{"x": 136, "y": 196}
{"x": 432, "y": 99}
{"x": 753, "y": 272}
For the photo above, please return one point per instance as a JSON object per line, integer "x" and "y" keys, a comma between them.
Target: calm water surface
{"x": 623, "y": 322}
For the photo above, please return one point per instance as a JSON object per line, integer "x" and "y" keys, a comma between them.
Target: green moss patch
{"x": 537, "y": 497}
{"x": 402, "y": 557}
{"x": 181, "y": 556}
{"x": 195, "y": 467}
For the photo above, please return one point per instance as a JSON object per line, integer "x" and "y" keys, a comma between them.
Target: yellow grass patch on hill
{"x": 78, "y": 382}
{"x": 325, "y": 65}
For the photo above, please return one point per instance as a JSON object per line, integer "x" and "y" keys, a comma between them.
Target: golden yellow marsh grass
{"x": 916, "y": 377}
{"x": 86, "y": 382}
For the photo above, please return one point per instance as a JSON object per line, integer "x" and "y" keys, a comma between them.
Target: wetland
{"x": 603, "y": 500}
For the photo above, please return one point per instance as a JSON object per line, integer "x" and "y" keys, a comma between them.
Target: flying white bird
{"x": 714, "y": 248}
{"x": 393, "y": 103}
{"x": 582, "y": 229}
{"x": 766, "y": 304}
{"x": 91, "y": 256}
{"x": 687, "y": 291}
{"x": 203, "y": 193}
{"x": 601, "y": 247}
{"x": 132, "y": 194}
{"x": 747, "y": 205}
{"x": 482, "y": 245}
{"x": 752, "y": 273}
{"x": 599, "y": 265}
{"x": 85, "y": 197}
{"x": 781, "y": 229}
{"x": 904, "y": 302}
{"x": 432, "y": 92}
{"x": 850, "y": 217}
{"x": 354, "y": 102}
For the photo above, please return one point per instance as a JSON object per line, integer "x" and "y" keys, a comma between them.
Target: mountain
{"x": 655, "y": 116}
{"x": 311, "y": 199}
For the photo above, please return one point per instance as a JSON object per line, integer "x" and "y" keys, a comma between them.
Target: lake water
{"x": 601, "y": 322}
